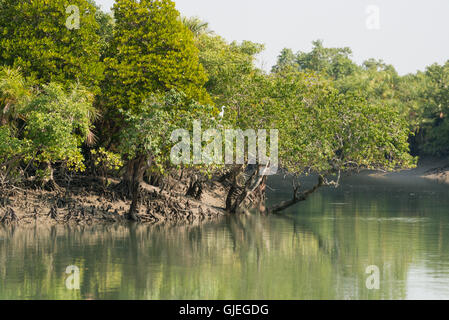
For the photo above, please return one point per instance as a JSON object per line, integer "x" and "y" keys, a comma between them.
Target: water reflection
{"x": 318, "y": 250}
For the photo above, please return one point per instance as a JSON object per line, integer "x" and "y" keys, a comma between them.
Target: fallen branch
{"x": 298, "y": 196}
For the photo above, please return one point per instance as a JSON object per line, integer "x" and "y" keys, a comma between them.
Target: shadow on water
{"x": 317, "y": 250}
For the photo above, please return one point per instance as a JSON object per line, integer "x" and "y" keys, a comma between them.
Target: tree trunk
{"x": 48, "y": 182}
{"x": 134, "y": 173}
{"x": 133, "y": 209}
{"x": 232, "y": 193}
{"x": 258, "y": 195}
{"x": 238, "y": 194}
{"x": 131, "y": 184}
{"x": 233, "y": 190}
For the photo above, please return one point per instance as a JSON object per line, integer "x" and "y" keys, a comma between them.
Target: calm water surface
{"x": 317, "y": 250}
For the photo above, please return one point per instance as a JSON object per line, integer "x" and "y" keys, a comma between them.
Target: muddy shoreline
{"x": 435, "y": 169}
{"x": 89, "y": 202}
{"x": 439, "y": 174}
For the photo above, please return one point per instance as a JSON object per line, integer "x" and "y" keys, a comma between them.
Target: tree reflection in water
{"x": 319, "y": 250}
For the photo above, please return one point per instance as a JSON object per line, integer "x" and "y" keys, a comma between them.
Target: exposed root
{"x": 9, "y": 217}
{"x": 88, "y": 203}
{"x": 195, "y": 190}
{"x": 53, "y": 214}
{"x": 123, "y": 189}
{"x": 51, "y": 185}
{"x": 162, "y": 207}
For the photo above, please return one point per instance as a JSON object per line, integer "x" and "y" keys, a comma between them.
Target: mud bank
{"x": 88, "y": 202}
{"x": 440, "y": 175}
{"x": 435, "y": 169}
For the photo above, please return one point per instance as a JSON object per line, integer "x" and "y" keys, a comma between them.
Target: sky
{"x": 409, "y": 34}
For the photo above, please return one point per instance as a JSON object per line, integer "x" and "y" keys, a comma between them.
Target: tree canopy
{"x": 35, "y": 39}
{"x": 151, "y": 51}
{"x": 110, "y": 93}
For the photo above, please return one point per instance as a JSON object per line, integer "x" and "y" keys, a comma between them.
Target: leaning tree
{"x": 321, "y": 132}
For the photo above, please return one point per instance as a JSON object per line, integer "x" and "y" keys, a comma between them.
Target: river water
{"x": 319, "y": 249}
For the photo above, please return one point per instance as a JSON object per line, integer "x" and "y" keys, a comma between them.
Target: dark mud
{"x": 88, "y": 202}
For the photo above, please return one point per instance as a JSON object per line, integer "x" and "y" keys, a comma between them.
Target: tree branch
{"x": 298, "y": 197}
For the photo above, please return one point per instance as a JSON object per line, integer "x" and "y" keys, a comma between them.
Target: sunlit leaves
{"x": 151, "y": 51}
{"x": 35, "y": 38}
{"x": 322, "y": 130}
{"x": 147, "y": 131}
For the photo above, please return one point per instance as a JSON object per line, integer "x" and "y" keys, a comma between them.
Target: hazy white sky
{"x": 412, "y": 33}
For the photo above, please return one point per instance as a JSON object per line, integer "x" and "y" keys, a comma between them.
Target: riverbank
{"x": 87, "y": 201}
{"x": 438, "y": 173}
{"x": 428, "y": 168}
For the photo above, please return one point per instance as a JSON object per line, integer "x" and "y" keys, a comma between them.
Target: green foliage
{"x": 57, "y": 123}
{"x": 380, "y": 83}
{"x": 147, "y": 131}
{"x": 105, "y": 30}
{"x": 45, "y": 126}
{"x": 338, "y": 119}
{"x": 287, "y": 59}
{"x": 435, "y": 108}
{"x": 334, "y": 62}
{"x": 12, "y": 152}
{"x": 106, "y": 162}
{"x": 162, "y": 72}
{"x": 228, "y": 66}
{"x": 151, "y": 51}
{"x": 322, "y": 130}
{"x": 421, "y": 99}
{"x": 196, "y": 26}
{"x": 35, "y": 38}
{"x": 14, "y": 90}
{"x": 437, "y": 139}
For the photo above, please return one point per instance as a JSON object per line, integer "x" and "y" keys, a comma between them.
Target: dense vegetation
{"x": 103, "y": 100}
{"x": 421, "y": 98}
